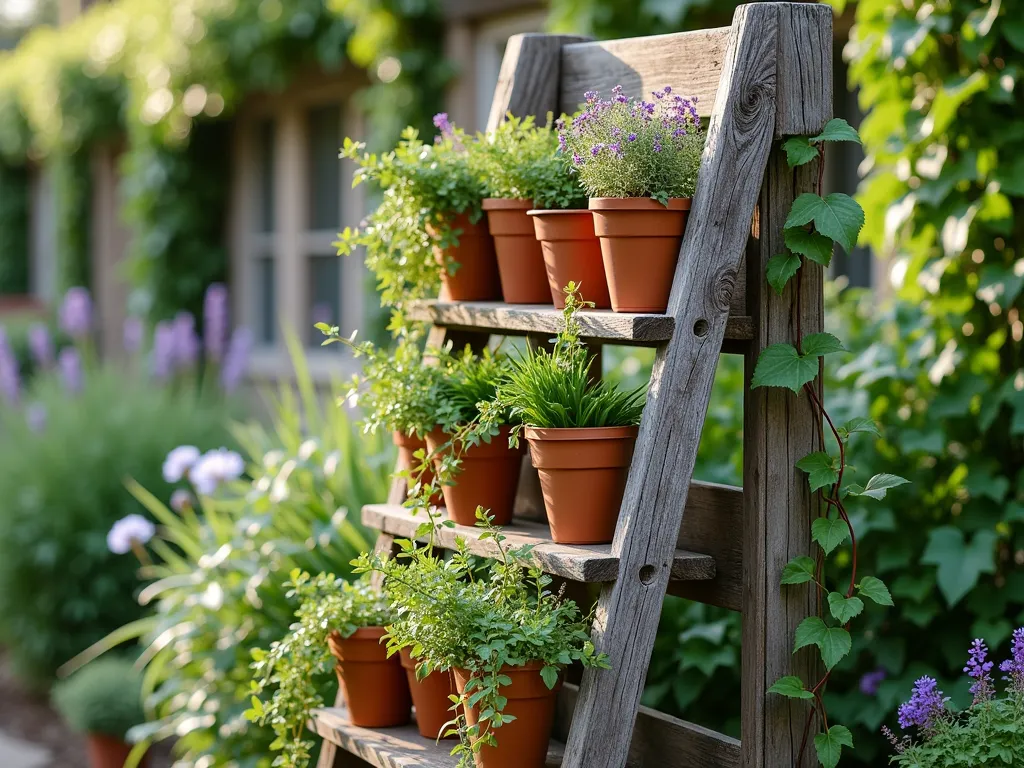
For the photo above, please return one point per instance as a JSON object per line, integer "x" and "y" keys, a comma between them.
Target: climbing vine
{"x": 815, "y": 223}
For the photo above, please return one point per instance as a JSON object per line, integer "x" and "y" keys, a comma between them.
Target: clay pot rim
{"x": 506, "y": 204}
{"x": 580, "y": 433}
{"x": 530, "y": 666}
{"x": 363, "y": 634}
{"x": 557, "y": 211}
{"x": 639, "y": 204}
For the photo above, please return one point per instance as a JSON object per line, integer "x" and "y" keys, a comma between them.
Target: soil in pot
{"x": 108, "y": 751}
{"x": 430, "y": 697}
{"x": 489, "y": 477}
{"x": 572, "y": 252}
{"x": 408, "y": 445}
{"x": 522, "y": 743}
{"x": 640, "y": 240}
{"x": 520, "y": 259}
{"x": 375, "y": 686}
{"x": 582, "y": 477}
{"x": 476, "y": 277}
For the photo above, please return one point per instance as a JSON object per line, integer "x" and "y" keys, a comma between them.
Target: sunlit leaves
{"x": 799, "y": 151}
{"x": 878, "y": 485}
{"x": 813, "y": 245}
{"x": 874, "y": 589}
{"x": 780, "y": 365}
{"x": 821, "y": 467}
{"x": 836, "y": 216}
{"x": 792, "y": 687}
{"x": 844, "y": 608}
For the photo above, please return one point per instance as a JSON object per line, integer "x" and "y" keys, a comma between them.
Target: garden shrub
{"x": 105, "y": 697}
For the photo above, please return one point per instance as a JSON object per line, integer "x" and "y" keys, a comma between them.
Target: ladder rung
{"x": 590, "y": 563}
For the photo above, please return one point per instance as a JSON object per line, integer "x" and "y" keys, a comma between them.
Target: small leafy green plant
{"x": 626, "y": 147}
{"x": 104, "y": 697}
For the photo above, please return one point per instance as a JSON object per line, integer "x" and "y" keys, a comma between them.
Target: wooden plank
{"x": 660, "y": 740}
{"x": 589, "y": 563}
{"x": 528, "y": 80}
{"x": 804, "y": 101}
{"x": 691, "y": 62}
{"x": 401, "y": 747}
{"x": 732, "y": 167}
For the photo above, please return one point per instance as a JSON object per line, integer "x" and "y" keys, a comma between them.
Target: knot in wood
{"x": 721, "y": 290}
{"x": 750, "y": 108}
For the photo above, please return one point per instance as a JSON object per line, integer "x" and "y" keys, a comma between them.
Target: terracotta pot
{"x": 375, "y": 686}
{"x": 407, "y": 445}
{"x": 109, "y": 751}
{"x": 520, "y": 259}
{"x": 640, "y": 240}
{"x": 523, "y": 743}
{"x": 430, "y": 697}
{"x": 476, "y": 277}
{"x": 582, "y": 476}
{"x": 571, "y": 252}
{"x": 489, "y": 477}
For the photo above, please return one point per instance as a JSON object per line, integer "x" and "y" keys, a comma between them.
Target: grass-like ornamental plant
{"x": 628, "y": 147}
{"x": 467, "y": 382}
{"x": 104, "y": 697}
{"x": 521, "y": 160}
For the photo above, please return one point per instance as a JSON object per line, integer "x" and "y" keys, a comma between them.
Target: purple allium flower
{"x": 10, "y": 373}
{"x": 186, "y": 342}
{"x": 926, "y": 703}
{"x": 214, "y": 468}
{"x": 182, "y": 500}
{"x": 131, "y": 334}
{"x": 236, "y": 361}
{"x": 978, "y": 668}
{"x": 1014, "y": 666}
{"x": 179, "y": 461}
{"x": 164, "y": 350}
{"x": 70, "y": 363}
{"x": 35, "y": 417}
{"x": 215, "y": 321}
{"x": 870, "y": 681}
{"x": 40, "y": 345}
{"x": 76, "y": 313}
{"x": 133, "y": 529}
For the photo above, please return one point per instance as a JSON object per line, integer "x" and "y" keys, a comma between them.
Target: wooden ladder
{"x": 768, "y": 76}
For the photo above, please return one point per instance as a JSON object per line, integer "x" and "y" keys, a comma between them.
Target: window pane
{"x": 324, "y": 292}
{"x": 265, "y": 142}
{"x": 324, "y": 171}
{"x": 265, "y": 308}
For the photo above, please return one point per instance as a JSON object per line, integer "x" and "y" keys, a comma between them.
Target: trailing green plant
{"x": 481, "y": 618}
{"x": 294, "y": 669}
{"x": 521, "y": 160}
{"x": 628, "y": 147}
{"x": 104, "y": 697}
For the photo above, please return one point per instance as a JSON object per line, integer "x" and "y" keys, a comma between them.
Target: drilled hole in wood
{"x": 700, "y": 328}
{"x": 647, "y": 574}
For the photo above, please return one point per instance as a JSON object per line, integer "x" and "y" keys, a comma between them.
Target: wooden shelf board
{"x": 601, "y": 324}
{"x": 590, "y": 563}
{"x": 401, "y": 747}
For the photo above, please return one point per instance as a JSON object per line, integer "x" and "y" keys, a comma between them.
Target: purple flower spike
{"x": 870, "y": 682}
{"x": 10, "y": 374}
{"x": 978, "y": 668}
{"x": 131, "y": 334}
{"x": 164, "y": 350}
{"x": 668, "y": 89}
{"x": 596, "y": 149}
{"x": 40, "y": 345}
{"x": 215, "y": 321}
{"x": 236, "y": 362}
{"x": 925, "y": 705}
{"x": 70, "y": 364}
{"x": 35, "y": 417}
{"x": 76, "y": 313}
{"x": 1014, "y": 666}
{"x": 186, "y": 343}
{"x": 577, "y": 159}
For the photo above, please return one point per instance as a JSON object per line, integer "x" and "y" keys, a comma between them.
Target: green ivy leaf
{"x": 799, "y": 151}
{"x": 821, "y": 467}
{"x": 875, "y": 590}
{"x": 792, "y": 687}
{"x": 860, "y": 424}
{"x": 832, "y": 642}
{"x": 829, "y": 533}
{"x": 844, "y": 608}
{"x": 799, "y": 570}
{"x": 780, "y": 269}
{"x": 818, "y": 344}
{"x": 780, "y": 365}
{"x": 830, "y": 744}
{"x": 958, "y": 563}
{"x": 836, "y": 216}
{"x": 837, "y": 129}
{"x": 878, "y": 485}
{"x": 814, "y": 245}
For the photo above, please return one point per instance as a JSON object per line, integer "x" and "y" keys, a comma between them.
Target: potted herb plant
{"x": 340, "y": 620}
{"x": 638, "y": 161}
{"x": 505, "y": 636}
{"x": 103, "y": 700}
{"x": 581, "y": 432}
{"x": 523, "y": 171}
{"x": 429, "y": 226}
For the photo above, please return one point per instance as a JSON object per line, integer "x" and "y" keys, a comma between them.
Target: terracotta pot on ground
{"x": 430, "y": 697}
{"x": 109, "y": 751}
{"x": 520, "y": 259}
{"x": 582, "y": 476}
{"x": 640, "y": 241}
{"x": 572, "y": 252}
{"x": 375, "y": 686}
{"x": 476, "y": 278}
{"x": 489, "y": 477}
{"x": 523, "y": 743}
{"x": 408, "y": 445}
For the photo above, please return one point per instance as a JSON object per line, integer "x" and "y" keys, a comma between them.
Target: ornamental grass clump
{"x": 989, "y": 732}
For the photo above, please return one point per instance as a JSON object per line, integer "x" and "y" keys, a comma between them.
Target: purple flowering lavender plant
{"x": 989, "y": 732}
{"x": 630, "y": 147}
